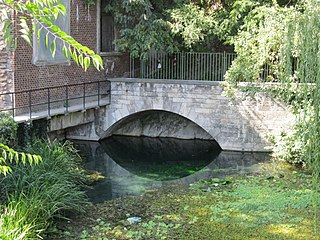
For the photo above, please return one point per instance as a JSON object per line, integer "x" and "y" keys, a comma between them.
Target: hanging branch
{"x": 10, "y": 156}
{"x": 44, "y": 13}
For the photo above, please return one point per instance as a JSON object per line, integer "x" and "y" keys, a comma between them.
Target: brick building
{"x": 21, "y": 70}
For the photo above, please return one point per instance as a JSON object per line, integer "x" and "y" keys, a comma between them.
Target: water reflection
{"x": 160, "y": 159}
{"x": 133, "y": 165}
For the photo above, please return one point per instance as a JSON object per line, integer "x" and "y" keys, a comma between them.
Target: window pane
{"x": 41, "y": 54}
{"x": 107, "y": 33}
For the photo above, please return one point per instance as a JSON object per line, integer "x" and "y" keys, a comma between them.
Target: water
{"x": 133, "y": 165}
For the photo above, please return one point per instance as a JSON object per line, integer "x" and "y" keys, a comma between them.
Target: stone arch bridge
{"x": 182, "y": 109}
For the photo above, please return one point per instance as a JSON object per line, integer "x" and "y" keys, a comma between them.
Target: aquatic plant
{"x": 276, "y": 206}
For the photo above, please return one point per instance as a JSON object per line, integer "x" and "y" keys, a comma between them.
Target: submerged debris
{"x": 134, "y": 219}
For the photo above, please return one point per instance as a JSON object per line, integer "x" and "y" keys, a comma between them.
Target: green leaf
{"x": 53, "y": 48}
{"x": 55, "y": 13}
{"x": 30, "y": 159}
{"x": 26, "y": 36}
{"x": 62, "y": 9}
{"x": 15, "y": 42}
{"x": 99, "y": 59}
{"x": 10, "y": 156}
{"x": 46, "y": 40}
{"x": 5, "y": 170}
{"x": 65, "y": 51}
{"x": 96, "y": 63}
{"x": 37, "y": 159}
{"x": 39, "y": 33}
{"x": 23, "y": 158}
{"x": 23, "y": 24}
{"x": 86, "y": 63}
{"x": 7, "y": 33}
{"x": 4, "y": 154}
{"x": 80, "y": 60}
{"x": 16, "y": 157}
{"x": 73, "y": 55}
{"x": 9, "y": 42}
{"x": 6, "y": 25}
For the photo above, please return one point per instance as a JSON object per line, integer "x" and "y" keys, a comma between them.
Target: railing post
{"x": 84, "y": 96}
{"x": 224, "y": 65}
{"x": 67, "y": 99}
{"x": 130, "y": 66}
{"x": 48, "y": 93}
{"x": 30, "y": 108}
{"x": 13, "y": 108}
{"x": 99, "y": 94}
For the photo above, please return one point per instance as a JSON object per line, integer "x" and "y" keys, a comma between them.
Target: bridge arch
{"x": 157, "y": 123}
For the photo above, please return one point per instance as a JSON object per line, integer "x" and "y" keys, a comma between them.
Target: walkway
{"x": 47, "y": 102}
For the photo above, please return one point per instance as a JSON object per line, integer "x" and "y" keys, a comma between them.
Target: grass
{"x": 37, "y": 194}
{"x": 268, "y": 205}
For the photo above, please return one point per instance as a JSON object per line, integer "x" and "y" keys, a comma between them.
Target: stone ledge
{"x": 166, "y": 81}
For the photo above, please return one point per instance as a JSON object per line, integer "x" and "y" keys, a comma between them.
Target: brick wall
{"x": 28, "y": 76}
{"x": 6, "y": 75}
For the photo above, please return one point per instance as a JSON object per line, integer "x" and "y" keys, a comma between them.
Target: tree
{"x": 287, "y": 39}
{"x": 24, "y": 18}
{"x": 180, "y": 25}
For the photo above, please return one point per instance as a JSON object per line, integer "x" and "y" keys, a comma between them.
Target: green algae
{"x": 269, "y": 205}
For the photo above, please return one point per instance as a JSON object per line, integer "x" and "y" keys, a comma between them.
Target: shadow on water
{"x": 160, "y": 159}
{"x": 133, "y": 165}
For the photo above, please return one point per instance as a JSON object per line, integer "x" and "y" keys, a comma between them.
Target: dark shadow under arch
{"x": 157, "y": 123}
{"x": 160, "y": 158}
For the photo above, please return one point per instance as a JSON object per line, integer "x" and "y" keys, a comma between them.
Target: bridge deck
{"x": 75, "y": 106}
{"x": 28, "y": 105}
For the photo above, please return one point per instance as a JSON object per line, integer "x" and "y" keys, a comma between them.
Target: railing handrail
{"x": 26, "y": 106}
{"x": 52, "y": 87}
{"x": 201, "y": 66}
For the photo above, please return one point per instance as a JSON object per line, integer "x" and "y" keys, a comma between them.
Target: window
{"x": 41, "y": 54}
{"x": 106, "y": 32}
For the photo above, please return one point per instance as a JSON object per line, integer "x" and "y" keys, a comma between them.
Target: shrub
{"x": 37, "y": 194}
{"x": 291, "y": 148}
{"x": 8, "y": 129}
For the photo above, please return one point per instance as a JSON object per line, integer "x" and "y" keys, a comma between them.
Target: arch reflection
{"x": 160, "y": 159}
{"x": 132, "y": 166}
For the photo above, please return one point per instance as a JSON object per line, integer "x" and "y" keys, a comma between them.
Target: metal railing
{"x": 50, "y": 101}
{"x": 184, "y": 66}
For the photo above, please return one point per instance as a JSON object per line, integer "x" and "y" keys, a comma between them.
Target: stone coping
{"x": 193, "y": 82}
{"x": 165, "y": 81}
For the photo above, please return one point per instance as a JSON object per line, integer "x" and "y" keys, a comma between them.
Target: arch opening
{"x": 161, "y": 159}
{"x": 158, "y": 123}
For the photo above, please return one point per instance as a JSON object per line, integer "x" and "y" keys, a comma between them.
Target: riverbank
{"x": 273, "y": 203}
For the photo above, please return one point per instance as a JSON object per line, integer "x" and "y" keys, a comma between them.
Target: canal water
{"x": 134, "y": 165}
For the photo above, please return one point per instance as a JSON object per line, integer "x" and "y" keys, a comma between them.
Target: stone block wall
{"x": 241, "y": 124}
